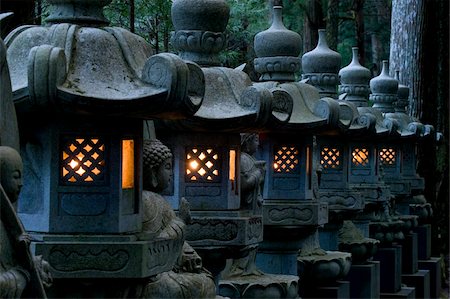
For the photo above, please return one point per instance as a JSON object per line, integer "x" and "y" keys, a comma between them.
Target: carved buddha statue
{"x": 188, "y": 279}
{"x": 13, "y": 278}
{"x": 252, "y": 173}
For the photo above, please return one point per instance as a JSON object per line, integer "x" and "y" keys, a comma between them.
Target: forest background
{"x": 412, "y": 34}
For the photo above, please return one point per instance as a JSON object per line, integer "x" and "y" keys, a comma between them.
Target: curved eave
{"x": 198, "y": 124}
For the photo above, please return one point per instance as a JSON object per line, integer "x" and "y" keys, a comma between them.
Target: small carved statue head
{"x": 157, "y": 166}
{"x": 11, "y": 172}
{"x": 249, "y": 143}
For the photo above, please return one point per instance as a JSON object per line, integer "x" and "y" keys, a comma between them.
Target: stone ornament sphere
{"x": 361, "y": 251}
{"x": 409, "y": 222}
{"x": 355, "y": 73}
{"x": 321, "y": 59}
{"x": 384, "y": 84}
{"x": 324, "y": 268}
{"x": 277, "y": 40}
{"x": 202, "y": 15}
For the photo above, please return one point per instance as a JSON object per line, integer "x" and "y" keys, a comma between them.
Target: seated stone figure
{"x": 188, "y": 279}
{"x": 14, "y": 279}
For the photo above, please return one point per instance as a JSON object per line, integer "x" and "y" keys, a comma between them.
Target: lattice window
{"x": 202, "y": 165}
{"x": 388, "y": 157}
{"x": 330, "y": 158}
{"x": 286, "y": 159}
{"x": 360, "y": 157}
{"x": 83, "y": 160}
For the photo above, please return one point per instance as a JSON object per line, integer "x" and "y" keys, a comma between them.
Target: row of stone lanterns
{"x": 82, "y": 91}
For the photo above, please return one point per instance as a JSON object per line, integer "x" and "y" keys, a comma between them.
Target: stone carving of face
{"x": 11, "y": 172}
{"x": 251, "y": 145}
{"x": 164, "y": 174}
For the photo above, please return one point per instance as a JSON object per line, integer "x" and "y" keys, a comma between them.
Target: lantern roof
{"x": 390, "y": 98}
{"x": 231, "y": 101}
{"x": 78, "y": 64}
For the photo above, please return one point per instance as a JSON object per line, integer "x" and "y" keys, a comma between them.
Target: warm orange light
{"x": 201, "y": 165}
{"x": 193, "y": 165}
{"x": 83, "y": 160}
{"x": 387, "y": 156}
{"x": 232, "y": 165}
{"x": 285, "y": 159}
{"x": 128, "y": 164}
{"x": 330, "y": 157}
{"x": 360, "y": 156}
{"x": 73, "y": 164}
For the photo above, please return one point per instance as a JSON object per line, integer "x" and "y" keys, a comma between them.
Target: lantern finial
{"x": 277, "y": 49}
{"x": 78, "y": 12}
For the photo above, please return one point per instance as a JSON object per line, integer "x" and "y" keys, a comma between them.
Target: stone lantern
{"x": 207, "y": 153}
{"x": 400, "y": 170}
{"x": 398, "y": 158}
{"x": 81, "y": 90}
{"x": 291, "y": 211}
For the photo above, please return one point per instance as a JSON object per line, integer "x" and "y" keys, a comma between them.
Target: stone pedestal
{"x": 420, "y": 281}
{"x": 364, "y": 280}
{"x": 390, "y": 259}
{"x": 287, "y": 223}
{"x": 106, "y": 257}
{"x": 434, "y": 266}
{"x": 409, "y": 254}
{"x": 260, "y": 286}
{"x": 424, "y": 241}
{"x": 101, "y": 266}
{"x": 335, "y": 290}
{"x": 404, "y": 293}
{"x": 220, "y": 235}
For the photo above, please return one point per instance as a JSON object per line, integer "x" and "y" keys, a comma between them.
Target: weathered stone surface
{"x": 323, "y": 268}
{"x": 210, "y": 228}
{"x": 286, "y": 213}
{"x": 277, "y": 49}
{"x": 321, "y": 66}
{"x": 64, "y": 70}
{"x": 9, "y": 131}
{"x": 260, "y": 286}
{"x": 101, "y": 257}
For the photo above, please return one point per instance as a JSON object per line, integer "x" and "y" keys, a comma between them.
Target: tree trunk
{"x": 132, "y": 15}
{"x": 406, "y": 53}
{"x": 358, "y": 6}
{"x": 419, "y": 49}
{"x": 313, "y": 21}
{"x": 333, "y": 23}
{"x": 376, "y": 55}
{"x": 378, "y": 24}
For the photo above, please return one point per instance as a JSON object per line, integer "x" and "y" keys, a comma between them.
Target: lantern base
{"x": 106, "y": 256}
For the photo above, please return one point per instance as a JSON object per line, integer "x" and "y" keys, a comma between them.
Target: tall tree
{"x": 132, "y": 15}
{"x": 313, "y": 21}
{"x": 378, "y": 16}
{"x": 332, "y": 23}
{"x": 419, "y": 50}
{"x": 358, "y": 6}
